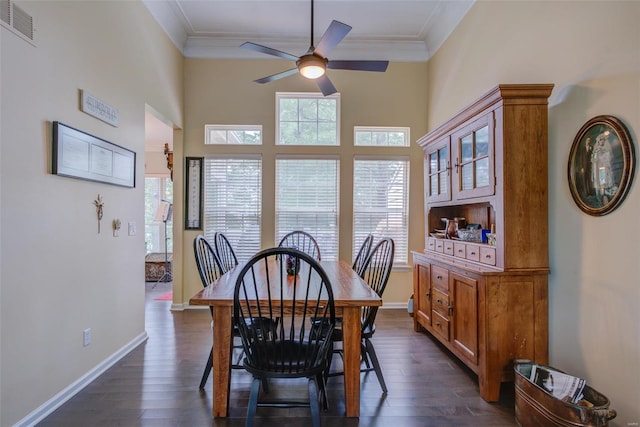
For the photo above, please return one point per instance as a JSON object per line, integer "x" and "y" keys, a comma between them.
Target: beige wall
{"x": 591, "y": 51}
{"x": 223, "y": 92}
{"x": 156, "y": 165}
{"x": 58, "y": 275}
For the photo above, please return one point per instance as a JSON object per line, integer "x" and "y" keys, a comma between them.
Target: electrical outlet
{"x": 86, "y": 337}
{"x": 132, "y": 228}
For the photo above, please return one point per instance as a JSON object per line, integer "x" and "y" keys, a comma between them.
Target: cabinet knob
{"x": 439, "y": 301}
{"x": 439, "y": 277}
{"x": 473, "y": 253}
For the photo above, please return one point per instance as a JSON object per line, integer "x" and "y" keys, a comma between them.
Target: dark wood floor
{"x": 157, "y": 383}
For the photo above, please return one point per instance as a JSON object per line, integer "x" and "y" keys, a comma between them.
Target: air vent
{"x": 5, "y": 11}
{"x": 17, "y": 20}
{"x": 22, "y": 22}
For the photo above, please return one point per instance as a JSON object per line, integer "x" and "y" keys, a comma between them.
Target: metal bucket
{"x": 535, "y": 407}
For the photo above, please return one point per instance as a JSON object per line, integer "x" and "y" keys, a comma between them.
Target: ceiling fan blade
{"x": 277, "y": 76}
{"x": 326, "y": 87}
{"x": 269, "y": 51}
{"x": 330, "y": 39}
{"x": 380, "y": 66}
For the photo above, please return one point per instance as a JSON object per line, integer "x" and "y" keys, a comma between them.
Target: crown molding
{"x": 436, "y": 30}
{"x": 229, "y": 48}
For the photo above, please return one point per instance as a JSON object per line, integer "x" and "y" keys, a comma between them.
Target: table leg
{"x": 351, "y": 343}
{"x": 222, "y": 339}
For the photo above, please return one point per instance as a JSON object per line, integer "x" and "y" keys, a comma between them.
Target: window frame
{"x": 305, "y": 95}
{"x": 157, "y": 227}
{"x": 230, "y": 128}
{"x": 387, "y": 129}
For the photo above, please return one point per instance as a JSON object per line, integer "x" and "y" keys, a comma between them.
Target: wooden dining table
{"x": 350, "y": 294}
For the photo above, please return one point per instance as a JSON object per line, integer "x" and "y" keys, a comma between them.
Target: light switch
{"x": 132, "y": 229}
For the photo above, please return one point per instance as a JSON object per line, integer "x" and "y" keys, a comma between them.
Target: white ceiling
{"x": 393, "y": 30}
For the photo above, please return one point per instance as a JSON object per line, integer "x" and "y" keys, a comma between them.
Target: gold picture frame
{"x": 601, "y": 165}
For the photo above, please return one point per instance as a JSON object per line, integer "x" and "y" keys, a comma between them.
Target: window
{"x": 302, "y": 168}
{"x": 381, "y": 136}
{"x": 307, "y": 199}
{"x": 155, "y": 190}
{"x": 233, "y": 202}
{"x": 307, "y": 119}
{"x": 380, "y": 203}
{"x": 233, "y": 135}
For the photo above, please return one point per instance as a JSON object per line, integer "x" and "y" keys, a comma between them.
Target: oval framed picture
{"x": 601, "y": 165}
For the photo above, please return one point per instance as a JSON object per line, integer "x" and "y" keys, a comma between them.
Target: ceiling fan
{"x": 314, "y": 63}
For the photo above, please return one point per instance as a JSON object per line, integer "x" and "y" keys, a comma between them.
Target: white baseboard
{"x": 177, "y": 307}
{"x": 402, "y": 305}
{"x": 56, "y": 401}
{"x": 187, "y": 306}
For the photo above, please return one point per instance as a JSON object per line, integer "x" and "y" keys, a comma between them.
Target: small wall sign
{"x": 194, "y": 191}
{"x": 98, "y": 108}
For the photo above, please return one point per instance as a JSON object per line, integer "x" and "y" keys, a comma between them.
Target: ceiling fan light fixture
{"x": 312, "y": 66}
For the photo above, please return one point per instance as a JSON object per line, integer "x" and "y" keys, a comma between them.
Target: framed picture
{"x": 193, "y": 193}
{"x": 77, "y": 154}
{"x": 601, "y": 165}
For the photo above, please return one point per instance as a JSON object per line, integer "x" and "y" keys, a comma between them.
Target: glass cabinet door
{"x": 473, "y": 168}
{"x": 436, "y": 172}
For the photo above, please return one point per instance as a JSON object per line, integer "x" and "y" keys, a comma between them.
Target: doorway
{"x": 158, "y": 201}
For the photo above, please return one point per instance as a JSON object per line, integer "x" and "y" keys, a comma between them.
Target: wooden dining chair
{"x": 224, "y": 251}
{"x": 227, "y": 260}
{"x": 302, "y": 241}
{"x": 279, "y": 338}
{"x": 376, "y": 271}
{"x": 209, "y": 270}
{"x": 363, "y": 253}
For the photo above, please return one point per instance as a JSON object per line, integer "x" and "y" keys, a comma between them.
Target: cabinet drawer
{"x": 440, "y": 325}
{"x": 448, "y": 247}
{"x": 439, "y": 245}
{"x": 473, "y": 252}
{"x": 431, "y": 244}
{"x": 440, "y": 303}
{"x": 440, "y": 278}
{"x": 488, "y": 255}
{"x": 460, "y": 250}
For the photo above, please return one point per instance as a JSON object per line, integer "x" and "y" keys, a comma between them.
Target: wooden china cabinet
{"x": 488, "y": 303}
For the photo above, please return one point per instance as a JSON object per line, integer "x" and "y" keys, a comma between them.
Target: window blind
{"x": 307, "y": 199}
{"x": 380, "y": 203}
{"x": 233, "y": 202}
